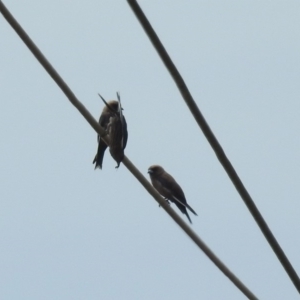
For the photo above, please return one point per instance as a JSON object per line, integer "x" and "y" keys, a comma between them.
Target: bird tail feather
{"x": 191, "y": 210}
{"x": 100, "y": 153}
{"x": 186, "y": 205}
{"x": 188, "y": 217}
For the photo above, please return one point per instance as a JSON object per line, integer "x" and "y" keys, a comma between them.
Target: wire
{"x": 214, "y": 142}
{"x": 139, "y": 176}
{"x": 70, "y": 95}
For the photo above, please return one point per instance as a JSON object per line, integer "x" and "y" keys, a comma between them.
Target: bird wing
{"x": 103, "y": 121}
{"x": 123, "y": 122}
{"x": 175, "y": 191}
{"x": 171, "y": 187}
{"x": 125, "y": 133}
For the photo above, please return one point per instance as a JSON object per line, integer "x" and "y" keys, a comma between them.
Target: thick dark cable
{"x": 70, "y": 95}
{"x": 214, "y": 142}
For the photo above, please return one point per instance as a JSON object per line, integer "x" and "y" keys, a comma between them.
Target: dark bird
{"x": 117, "y": 131}
{"x": 113, "y": 122}
{"x": 167, "y": 186}
{"x": 107, "y": 112}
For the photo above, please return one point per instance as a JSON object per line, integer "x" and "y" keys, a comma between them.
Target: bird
{"x": 113, "y": 122}
{"x": 117, "y": 131}
{"x": 167, "y": 186}
{"x": 107, "y": 112}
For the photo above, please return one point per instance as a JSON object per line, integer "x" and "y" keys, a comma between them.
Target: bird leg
{"x": 167, "y": 200}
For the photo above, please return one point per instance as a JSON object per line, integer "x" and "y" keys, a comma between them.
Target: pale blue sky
{"x": 69, "y": 232}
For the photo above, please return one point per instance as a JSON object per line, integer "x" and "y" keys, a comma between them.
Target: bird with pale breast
{"x": 167, "y": 186}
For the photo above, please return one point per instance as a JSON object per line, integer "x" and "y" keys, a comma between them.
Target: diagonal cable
{"x": 214, "y": 142}
{"x": 70, "y": 95}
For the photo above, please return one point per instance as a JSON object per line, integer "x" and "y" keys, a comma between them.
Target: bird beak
{"x": 150, "y": 171}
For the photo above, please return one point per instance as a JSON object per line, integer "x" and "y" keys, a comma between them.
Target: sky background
{"x": 70, "y": 232}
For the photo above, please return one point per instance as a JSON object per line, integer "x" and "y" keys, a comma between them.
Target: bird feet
{"x": 166, "y": 201}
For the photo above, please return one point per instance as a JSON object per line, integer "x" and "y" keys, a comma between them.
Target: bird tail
{"x": 182, "y": 207}
{"x": 186, "y": 205}
{"x": 191, "y": 210}
{"x": 188, "y": 216}
{"x": 100, "y": 154}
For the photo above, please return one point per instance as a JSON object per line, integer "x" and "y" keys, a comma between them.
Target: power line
{"x": 214, "y": 142}
{"x": 73, "y": 99}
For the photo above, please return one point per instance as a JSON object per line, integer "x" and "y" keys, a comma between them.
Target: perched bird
{"x": 117, "y": 131}
{"x": 166, "y": 185}
{"x": 112, "y": 121}
{"x": 107, "y": 112}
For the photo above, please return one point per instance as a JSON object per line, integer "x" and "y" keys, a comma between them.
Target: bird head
{"x": 155, "y": 170}
{"x": 112, "y": 106}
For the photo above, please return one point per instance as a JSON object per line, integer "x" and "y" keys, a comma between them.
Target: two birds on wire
{"x": 114, "y": 123}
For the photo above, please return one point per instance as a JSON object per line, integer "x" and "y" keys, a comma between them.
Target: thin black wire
{"x": 70, "y": 95}
{"x": 214, "y": 142}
